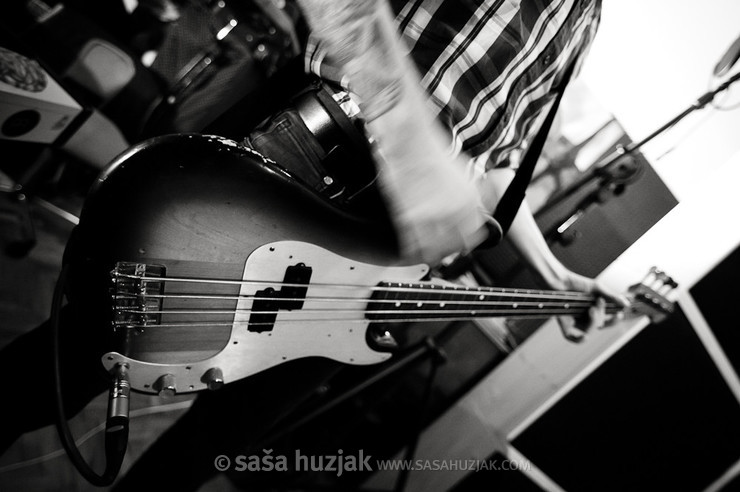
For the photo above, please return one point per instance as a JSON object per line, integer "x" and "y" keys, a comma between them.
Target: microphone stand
{"x": 606, "y": 173}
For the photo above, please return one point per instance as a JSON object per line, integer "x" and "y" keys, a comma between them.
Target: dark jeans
{"x": 335, "y": 160}
{"x": 225, "y": 422}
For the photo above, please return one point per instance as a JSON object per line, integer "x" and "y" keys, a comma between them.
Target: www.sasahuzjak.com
{"x": 342, "y": 462}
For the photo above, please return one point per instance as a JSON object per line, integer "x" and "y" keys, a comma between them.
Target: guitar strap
{"x": 513, "y": 197}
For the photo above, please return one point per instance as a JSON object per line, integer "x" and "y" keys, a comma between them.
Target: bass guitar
{"x": 210, "y": 263}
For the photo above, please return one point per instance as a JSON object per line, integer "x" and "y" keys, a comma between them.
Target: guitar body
{"x": 201, "y": 207}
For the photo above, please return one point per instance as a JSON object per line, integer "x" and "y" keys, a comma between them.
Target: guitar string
{"x": 456, "y": 299}
{"x": 520, "y": 315}
{"x": 476, "y": 302}
{"x": 422, "y": 315}
{"x": 539, "y": 306}
{"x": 452, "y": 295}
{"x": 388, "y": 287}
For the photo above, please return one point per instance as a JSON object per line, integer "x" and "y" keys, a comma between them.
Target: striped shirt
{"x": 491, "y": 68}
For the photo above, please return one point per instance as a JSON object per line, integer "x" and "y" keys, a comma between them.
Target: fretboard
{"x": 393, "y": 302}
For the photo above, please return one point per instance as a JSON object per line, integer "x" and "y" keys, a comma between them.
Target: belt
{"x": 317, "y": 119}
{"x": 347, "y": 158}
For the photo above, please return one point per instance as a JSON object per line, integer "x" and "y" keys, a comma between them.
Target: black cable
{"x": 116, "y": 436}
{"x": 435, "y": 361}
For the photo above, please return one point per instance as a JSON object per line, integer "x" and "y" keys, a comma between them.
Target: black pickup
{"x": 269, "y": 301}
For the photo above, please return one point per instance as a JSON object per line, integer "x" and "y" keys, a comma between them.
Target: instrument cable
{"x": 141, "y": 412}
{"x": 116, "y": 432}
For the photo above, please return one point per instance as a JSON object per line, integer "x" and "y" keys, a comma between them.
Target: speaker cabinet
{"x": 662, "y": 413}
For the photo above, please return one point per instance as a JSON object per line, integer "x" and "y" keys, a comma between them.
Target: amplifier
{"x": 34, "y": 107}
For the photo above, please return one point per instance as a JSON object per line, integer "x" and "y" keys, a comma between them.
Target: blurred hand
{"x": 434, "y": 204}
{"x": 435, "y": 209}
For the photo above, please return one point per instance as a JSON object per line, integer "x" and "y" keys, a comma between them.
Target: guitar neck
{"x": 425, "y": 302}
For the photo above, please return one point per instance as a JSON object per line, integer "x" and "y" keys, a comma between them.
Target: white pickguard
{"x": 331, "y": 322}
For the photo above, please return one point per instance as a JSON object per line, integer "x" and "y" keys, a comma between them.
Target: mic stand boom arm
{"x": 604, "y": 173}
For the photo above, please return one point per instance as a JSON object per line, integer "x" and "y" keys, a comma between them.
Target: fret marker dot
{"x": 398, "y": 304}
{"x": 540, "y": 305}
{"x": 566, "y": 306}
{"x": 481, "y": 297}
{"x": 515, "y": 305}
{"x": 419, "y": 304}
